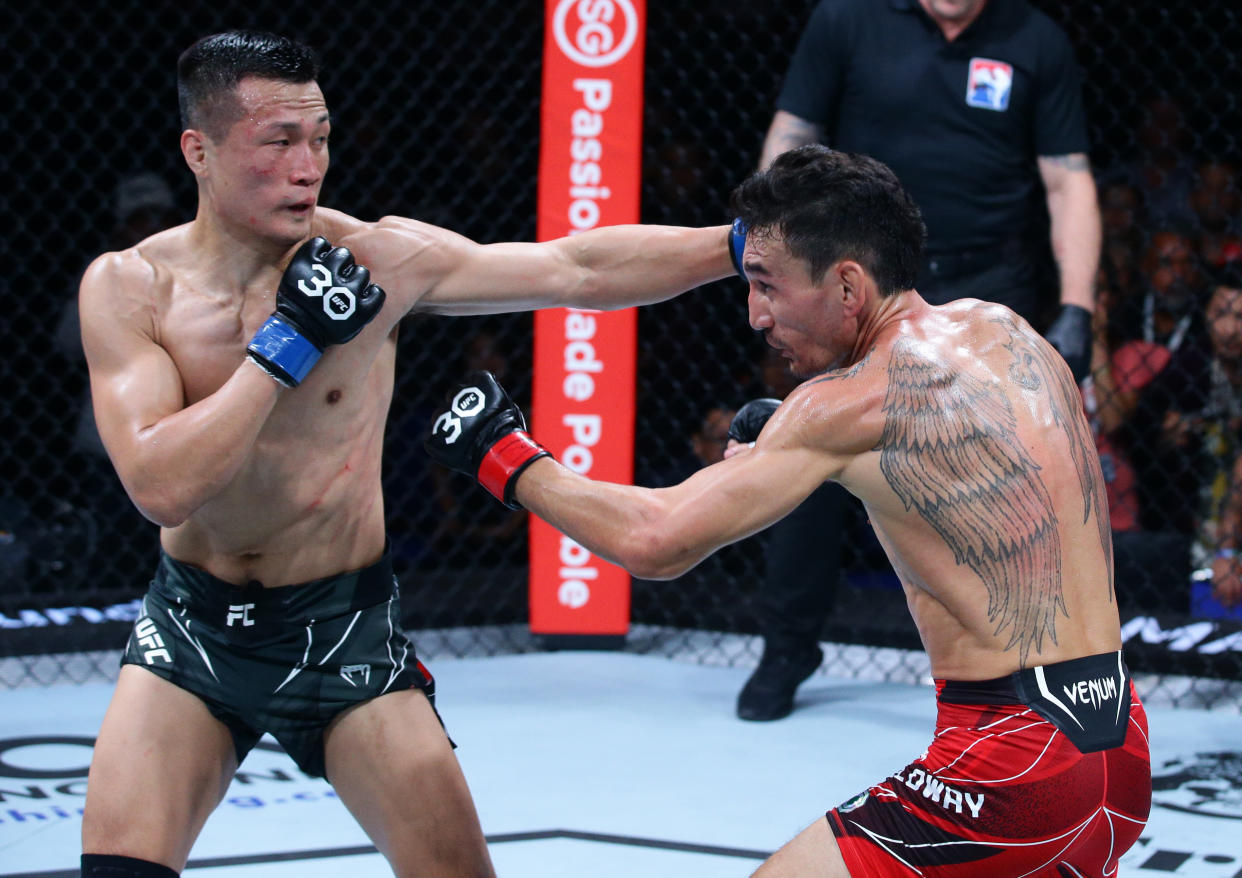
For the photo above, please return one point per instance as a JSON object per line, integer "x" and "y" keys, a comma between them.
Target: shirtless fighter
{"x": 962, "y": 433}
{"x": 243, "y": 405}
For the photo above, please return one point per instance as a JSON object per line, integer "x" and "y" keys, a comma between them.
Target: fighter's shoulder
{"x": 419, "y": 248}
{"x": 336, "y": 225}
{"x": 143, "y": 271}
{"x": 841, "y": 404}
{"x": 977, "y": 315}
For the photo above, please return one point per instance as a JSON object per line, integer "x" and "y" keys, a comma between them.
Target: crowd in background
{"x": 1165, "y": 391}
{"x": 1164, "y": 396}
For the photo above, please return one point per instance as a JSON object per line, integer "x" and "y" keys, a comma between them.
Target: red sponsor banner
{"x": 590, "y": 161}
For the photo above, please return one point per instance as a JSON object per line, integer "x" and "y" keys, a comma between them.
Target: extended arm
{"x": 428, "y": 268}
{"x": 172, "y": 458}
{"x": 660, "y": 533}
{"x": 653, "y": 533}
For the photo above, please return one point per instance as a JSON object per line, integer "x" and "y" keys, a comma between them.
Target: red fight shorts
{"x": 1004, "y": 790}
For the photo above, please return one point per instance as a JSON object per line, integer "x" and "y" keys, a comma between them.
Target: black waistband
{"x": 208, "y": 595}
{"x": 1087, "y": 698}
{"x": 1010, "y": 688}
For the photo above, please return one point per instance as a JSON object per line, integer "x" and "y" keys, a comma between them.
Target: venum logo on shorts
{"x": 353, "y": 673}
{"x": 1205, "y": 783}
{"x": 949, "y": 798}
{"x": 1094, "y": 692}
{"x": 152, "y": 644}
{"x": 590, "y": 39}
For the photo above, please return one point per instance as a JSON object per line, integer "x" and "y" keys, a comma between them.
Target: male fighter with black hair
{"x": 961, "y": 431}
{"x": 241, "y": 368}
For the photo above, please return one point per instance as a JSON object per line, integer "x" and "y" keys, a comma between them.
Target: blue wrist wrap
{"x": 737, "y": 243}
{"x": 278, "y": 343}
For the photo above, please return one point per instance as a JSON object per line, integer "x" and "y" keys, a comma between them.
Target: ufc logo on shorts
{"x": 242, "y": 612}
{"x": 151, "y": 642}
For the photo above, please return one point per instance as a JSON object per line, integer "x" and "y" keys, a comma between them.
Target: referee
{"x": 977, "y": 107}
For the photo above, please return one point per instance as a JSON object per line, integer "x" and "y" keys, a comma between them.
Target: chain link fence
{"x": 435, "y": 108}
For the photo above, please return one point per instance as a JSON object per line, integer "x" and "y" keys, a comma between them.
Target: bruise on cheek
{"x": 264, "y": 172}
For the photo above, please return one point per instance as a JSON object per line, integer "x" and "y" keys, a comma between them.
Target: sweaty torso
{"x": 307, "y": 501}
{"x": 980, "y": 478}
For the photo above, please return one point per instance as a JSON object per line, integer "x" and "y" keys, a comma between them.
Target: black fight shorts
{"x": 283, "y": 660}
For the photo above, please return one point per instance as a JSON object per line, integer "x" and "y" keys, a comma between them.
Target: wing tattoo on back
{"x": 1033, "y": 369}
{"x": 950, "y": 450}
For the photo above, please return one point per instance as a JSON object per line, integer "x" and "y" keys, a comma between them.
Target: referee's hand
{"x": 1070, "y": 334}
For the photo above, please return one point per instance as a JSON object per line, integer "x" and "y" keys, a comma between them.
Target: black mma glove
{"x": 737, "y": 243}
{"x": 1070, "y": 334}
{"x": 324, "y": 298}
{"x": 481, "y": 433}
{"x": 748, "y": 423}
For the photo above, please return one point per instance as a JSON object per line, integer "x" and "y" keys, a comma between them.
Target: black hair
{"x": 208, "y": 73}
{"x": 827, "y": 206}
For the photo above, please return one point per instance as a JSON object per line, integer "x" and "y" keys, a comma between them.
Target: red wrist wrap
{"x": 504, "y": 460}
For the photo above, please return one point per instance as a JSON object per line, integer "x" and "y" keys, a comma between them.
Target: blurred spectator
{"x": 1217, "y": 203}
{"x": 1169, "y": 311}
{"x": 1145, "y": 561}
{"x": 1188, "y": 421}
{"x": 1227, "y": 561}
{"x": 1162, "y": 168}
{"x": 1122, "y": 221}
{"x": 142, "y": 205}
{"x": 1119, "y": 370}
{"x": 706, "y": 446}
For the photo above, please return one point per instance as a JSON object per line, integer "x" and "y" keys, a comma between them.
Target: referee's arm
{"x": 1074, "y": 213}
{"x": 787, "y": 132}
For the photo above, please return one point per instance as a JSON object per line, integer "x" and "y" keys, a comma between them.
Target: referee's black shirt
{"x": 960, "y": 123}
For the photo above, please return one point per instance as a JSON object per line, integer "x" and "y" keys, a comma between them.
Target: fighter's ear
{"x": 852, "y": 278}
{"x": 194, "y": 149}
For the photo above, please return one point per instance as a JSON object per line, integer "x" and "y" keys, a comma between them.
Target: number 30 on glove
{"x": 481, "y": 433}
